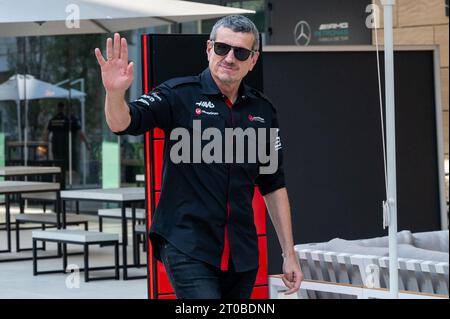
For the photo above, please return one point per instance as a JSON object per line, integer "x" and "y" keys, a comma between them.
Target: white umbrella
{"x": 26, "y": 87}
{"x": 13, "y": 89}
{"x": 52, "y": 17}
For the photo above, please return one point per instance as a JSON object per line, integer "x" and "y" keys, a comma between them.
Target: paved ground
{"x": 17, "y": 280}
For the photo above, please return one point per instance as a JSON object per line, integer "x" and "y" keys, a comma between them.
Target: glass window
{"x": 259, "y": 18}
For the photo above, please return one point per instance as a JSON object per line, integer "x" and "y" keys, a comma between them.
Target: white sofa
{"x": 359, "y": 268}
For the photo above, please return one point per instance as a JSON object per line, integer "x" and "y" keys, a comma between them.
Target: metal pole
{"x": 19, "y": 117}
{"x": 83, "y": 129}
{"x": 390, "y": 142}
{"x": 70, "y": 117}
{"x": 25, "y": 146}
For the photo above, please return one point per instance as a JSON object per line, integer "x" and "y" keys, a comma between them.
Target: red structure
{"x": 158, "y": 283}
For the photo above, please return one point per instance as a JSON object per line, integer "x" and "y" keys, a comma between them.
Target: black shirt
{"x": 59, "y": 126}
{"x": 203, "y": 203}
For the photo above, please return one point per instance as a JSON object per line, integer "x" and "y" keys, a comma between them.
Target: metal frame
{"x": 60, "y": 179}
{"x": 122, "y": 205}
{"x": 43, "y": 227}
{"x": 137, "y": 238}
{"x": 86, "y": 268}
{"x": 8, "y": 223}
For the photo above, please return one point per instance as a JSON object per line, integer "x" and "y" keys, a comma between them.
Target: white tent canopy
{"x": 26, "y": 87}
{"x": 15, "y": 89}
{"x": 34, "y": 18}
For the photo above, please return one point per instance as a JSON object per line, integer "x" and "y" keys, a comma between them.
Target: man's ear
{"x": 254, "y": 58}
{"x": 208, "y": 48}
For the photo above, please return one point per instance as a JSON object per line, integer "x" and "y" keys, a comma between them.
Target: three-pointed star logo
{"x": 302, "y": 33}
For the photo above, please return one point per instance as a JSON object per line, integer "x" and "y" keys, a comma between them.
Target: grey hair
{"x": 237, "y": 23}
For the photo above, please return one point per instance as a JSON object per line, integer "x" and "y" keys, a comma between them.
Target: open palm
{"x": 117, "y": 73}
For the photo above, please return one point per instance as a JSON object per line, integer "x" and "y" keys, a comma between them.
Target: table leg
{"x": 8, "y": 221}
{"x": 133, "y": 224}
{"x": 124, "y": 241}
{"x": 63, "y": 204}
{"x": 60, "y": 209}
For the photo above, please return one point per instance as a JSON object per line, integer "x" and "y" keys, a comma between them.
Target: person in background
{"x": 58, "y": 132}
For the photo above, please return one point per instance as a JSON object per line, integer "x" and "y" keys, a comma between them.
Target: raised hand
{"x": 117, "y": 73}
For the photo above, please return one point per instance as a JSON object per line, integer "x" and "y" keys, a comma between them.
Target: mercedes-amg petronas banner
{"x": 324, "y": 22}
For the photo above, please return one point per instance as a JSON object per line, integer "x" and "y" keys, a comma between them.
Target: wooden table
{"x": 12, "y": 172}
{"x": 9, "y": 171}
{"x": 17, "y": 187}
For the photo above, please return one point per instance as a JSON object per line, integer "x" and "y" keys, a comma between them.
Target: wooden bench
{"x": 116, "y": 213}
{"x": 77, "y": 237}
{"x": 44, "y": 197}
{"x": 140, "y": 230}
{"x": 45, "y": 219}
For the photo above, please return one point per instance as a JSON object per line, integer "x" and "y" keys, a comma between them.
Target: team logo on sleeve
{"x": 149, "y": 98}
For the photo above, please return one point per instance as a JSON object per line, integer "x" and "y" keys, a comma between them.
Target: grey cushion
{"x": 434, "y": 240}
{"x": 350, "y": 247}
{"x": 403, "y": 237}
{"x": 312, "y": 246}
{"x": 140, "y": 228}
{"x": 411, "y": 252}
{"x": 74, "y": 235}
{"x": 339, "y": 245}
{"x": 50, "y": 196}
{"x": 423, "y": 246}
{"x": 49, "y": 218}
{"x": 117, "y": 212}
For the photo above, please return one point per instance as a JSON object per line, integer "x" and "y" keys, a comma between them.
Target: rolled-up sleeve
{"x": 268, "y": 183}
{"x": 149, "y": 111}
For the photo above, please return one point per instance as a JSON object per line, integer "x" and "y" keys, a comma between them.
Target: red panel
{"x": 261, "y": 292}
{"x": 164, "y": 286}
{"x": 261, "y": 277}
{"x": 158, "y": 133}
{"x": 151, "y": 288}
{"x": 158, "y": 146}
{"x": 157, "y": 195}
{"x": 167, "y": 297}
{"x": 259, "y": 210}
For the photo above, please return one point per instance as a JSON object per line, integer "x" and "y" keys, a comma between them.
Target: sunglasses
{"x": 240, "y": 54}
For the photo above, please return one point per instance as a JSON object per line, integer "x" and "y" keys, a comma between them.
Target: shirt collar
{"x": 209, "y": 86}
